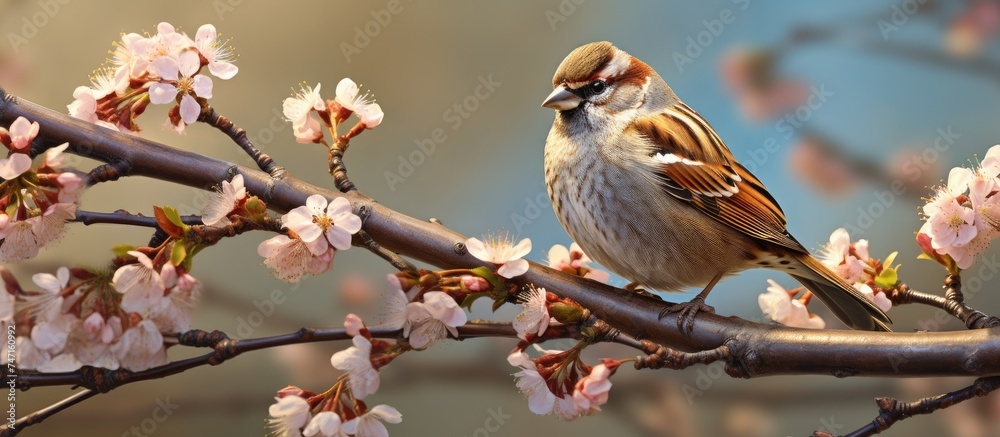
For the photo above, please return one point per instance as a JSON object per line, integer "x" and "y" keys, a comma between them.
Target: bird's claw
{"x": 688, "y": 311}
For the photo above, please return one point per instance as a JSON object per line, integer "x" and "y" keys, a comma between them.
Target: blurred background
{"x": 831, "y": 104}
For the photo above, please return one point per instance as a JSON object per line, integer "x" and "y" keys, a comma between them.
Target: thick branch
{"x": 759, "y": 349}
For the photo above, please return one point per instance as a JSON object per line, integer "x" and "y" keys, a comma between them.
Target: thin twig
{"x": 892, "y": 410}
{"x": 953, "y": 303}
{"x": 40, "y": 415}
{"x": 239, "y": 136}
{"x": 122, "y": 217}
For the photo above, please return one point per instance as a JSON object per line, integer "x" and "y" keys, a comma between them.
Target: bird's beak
{"x": 562, "y": 99}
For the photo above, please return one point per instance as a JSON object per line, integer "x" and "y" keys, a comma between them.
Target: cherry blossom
{"x": 575, "y": 262}
{"x": 880, "y": 299}
{"x": 356, "y": 361}
{"x": 531, "y": 384}
{"x": 961, "y": 217}
{"x": 321, "y": 225}
{"x": 140, "y": 284}
{"x": 290, "y": 258}
{"x": 432, "y": 319}
{"x": 218, "y": 56}
{"x": 370, "y": 424}
{"x": 778, "y": 305}
{"x": 349, "y": 97}
{"x": 180, "y": 77}
{"x": 299, "y": 110}
{"x": 848, "y": 260}
{"x": 140, "y": 347}
{"x": 501, "y": 251}
{"x": 221, "y": 203}
{"x": 324, "y": 424}
{"x": 353, "y": 325}
{"x": 288, "y": 415}
{"x": 19, "y": 241}
{"x": 534, "y": 318}
{"x": 591, "y": 391}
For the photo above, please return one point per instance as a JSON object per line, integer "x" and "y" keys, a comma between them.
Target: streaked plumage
{"x": 648, "y": 189}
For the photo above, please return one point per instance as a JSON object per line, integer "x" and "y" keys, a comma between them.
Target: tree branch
{"x": 759, "y": 349}
{"x": 40, "y": 415}
{"x": 892, "y": 410}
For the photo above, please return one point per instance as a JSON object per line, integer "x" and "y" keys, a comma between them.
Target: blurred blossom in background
{"x": 848, "y": 111}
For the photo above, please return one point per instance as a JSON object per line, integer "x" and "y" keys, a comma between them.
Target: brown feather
{"x": 707, "y": 176}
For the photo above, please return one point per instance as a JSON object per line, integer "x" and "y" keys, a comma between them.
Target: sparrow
{"x": 649, "y": 190}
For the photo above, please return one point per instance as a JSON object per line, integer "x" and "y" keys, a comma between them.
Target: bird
{"x": 648, "y": 189}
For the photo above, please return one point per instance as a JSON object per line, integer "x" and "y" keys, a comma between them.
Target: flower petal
{"x": 190, "y": 109}
{"x": 203, "y": 86}
{"x": 14, "y": 166}
{"x": 478, "y": 249}
{"x": 513, "y": 268}
{"x": 162, "y": 93}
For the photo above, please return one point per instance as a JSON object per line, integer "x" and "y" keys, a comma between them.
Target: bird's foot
{"x": 688, "y": 311}
{"x": 637, "y": 288}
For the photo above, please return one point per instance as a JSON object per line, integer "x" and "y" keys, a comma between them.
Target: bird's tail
{"x": 846, "y": 302}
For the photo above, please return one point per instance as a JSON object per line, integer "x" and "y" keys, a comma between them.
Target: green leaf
{"x": 890, "y": 259}
{"x": 471, "y": 298}
{"x": 926, "y": 257}
{"x": 887, "y": 279}
{"x": 178, "y": 254}
{"x": 168, "y": 220}
{"x": 122, "y": 250}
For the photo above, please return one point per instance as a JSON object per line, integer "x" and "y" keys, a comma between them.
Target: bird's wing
{"x": 705, "y": 175}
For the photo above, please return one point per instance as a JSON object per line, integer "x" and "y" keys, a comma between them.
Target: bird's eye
{"x": 598, "y": 87}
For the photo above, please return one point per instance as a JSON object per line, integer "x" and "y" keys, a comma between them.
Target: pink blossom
{"x": 531, "y": 384}
{"x": 140, "y": 284}
{"x": 22, "y": 132}
{"x": 348, "y": 96}
{"x": 321, "y": 225}
{"x": 179, "y": 77}
{"x": 299, "y": 110}
{"x": 880, "y": 299}
{"x": 353, "y": 324}
{"x": 356, "y": 361}
{"x": 475, "y": 283}
{"x": 501, "y": 251}
{"x": 324, "y": 424}
{"x": 291, "y": 258}
{"x": 14, "y": 165}
{"x": 19, "y": 242}
{"x": 848, "y": 259}
{"x": 431, "y": 319}
{"x": 778, "y": 305}
{"x": 534, "y": 318}
{"x": 591, "y": 391}
{"x": 370, "y": 424}
{"x": 221, "y": 203}
{"x": 575, "y": 262}
{"x": 140, "y": 347}
{"x": 289, "y": 415}
{"x": 219, "y": 57}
